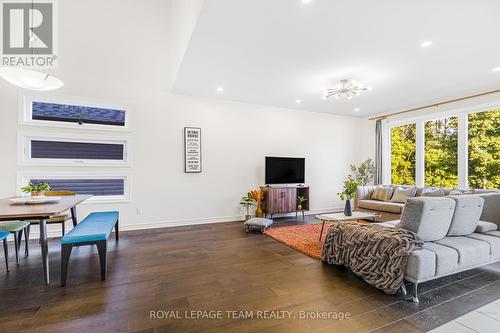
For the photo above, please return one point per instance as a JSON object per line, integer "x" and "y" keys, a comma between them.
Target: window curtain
{"x": 378, "y": 153}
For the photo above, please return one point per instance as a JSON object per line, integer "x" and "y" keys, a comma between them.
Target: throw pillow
{"x": 455, "y": 192}
{"x": 382, "y": 193}
{"x": 437, "y": 192}
{"x": 401, "y": 194}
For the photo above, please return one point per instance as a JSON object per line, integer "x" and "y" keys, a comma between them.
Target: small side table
{"x": 340, "y": 217}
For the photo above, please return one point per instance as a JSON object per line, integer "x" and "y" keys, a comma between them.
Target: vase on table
{"x": 347, "y": 208}
{"x": 259, "y": 212}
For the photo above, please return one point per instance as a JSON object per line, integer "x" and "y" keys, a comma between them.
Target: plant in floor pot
{"x": 246, "y": 202}
{"x": 258, "y": 196}
{"x": 36, "y": 189}
{"x": 350, "y": 186}
{"x": 300, "y": 200}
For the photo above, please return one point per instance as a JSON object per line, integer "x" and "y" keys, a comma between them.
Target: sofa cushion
{"x": 421, "y": 265}
{"x": 446, "y": 257}
{"x": 468, "y": 209}
{"x": 494, "y": 243}
{"x": 437, "y": 192}
{"x": 429, "y": 218}
{"x": 495, "y": 233}
{"x": 391, "y": 207}
{"x": 419, "y": 192}
{"x": 484, "y": 227}
{"x": 471, "y": 252}
{"x": 390, "y": 224}
{"x": 382, "y": 193}
{"x": 401, "y": 194}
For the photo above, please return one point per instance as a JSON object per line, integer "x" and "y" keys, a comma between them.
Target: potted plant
{"x": 350, "y": 186}
{"x": 300, "y": 200}
{"x": 246, "y": 202}
{"x": 36, "y": 189}
{"x": 258, "y": 196}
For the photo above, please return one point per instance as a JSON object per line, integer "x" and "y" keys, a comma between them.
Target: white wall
{"x": 122, "y": 55}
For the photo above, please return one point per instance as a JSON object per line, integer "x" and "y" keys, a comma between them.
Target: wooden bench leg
{"x": 101, "y": 248}
{"x": 116, "y": 230}
{"x": 65, "y": 254}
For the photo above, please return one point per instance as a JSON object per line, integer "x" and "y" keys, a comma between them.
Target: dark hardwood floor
{"x": 219, "y": 267}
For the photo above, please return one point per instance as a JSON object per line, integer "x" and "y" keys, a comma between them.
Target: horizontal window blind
{"x": 77, "y": 114}
{"x": 76, "y": 150}
{"x": 97, "y": 187}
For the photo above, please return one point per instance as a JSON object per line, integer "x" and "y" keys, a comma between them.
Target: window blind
{"x": 77, "y": 114}
{"x": 76, "y": 150}
{"x": 97, "y": 187}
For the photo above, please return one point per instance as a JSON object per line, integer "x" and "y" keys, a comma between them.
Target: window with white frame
{"x": 104, "y": 187}
{"x": 441, "y": 152}
{"x": 44, "y": 149}
{"x": 65, "y": 112}
{"x": 43, "y": 144}
{"x": 403, "y": 140}
{"x": 484, "y": 149}
{"x": 456, "y": 149}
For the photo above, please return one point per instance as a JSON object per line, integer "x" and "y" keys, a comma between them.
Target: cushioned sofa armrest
{"x": 363, "y": 193}
{"x": 483, "y": 227}
{"x": 491, "y": 208}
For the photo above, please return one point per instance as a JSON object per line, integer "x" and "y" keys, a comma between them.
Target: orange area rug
{"x": 303, "y": 238}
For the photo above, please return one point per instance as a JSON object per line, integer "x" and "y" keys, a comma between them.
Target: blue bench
{"x": 94, "y": 229}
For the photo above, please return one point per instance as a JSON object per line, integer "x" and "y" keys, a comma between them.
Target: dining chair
{"x": 16, "y": 228}
{"x": 3, "y": 236}
{"x": 59, "y": 218}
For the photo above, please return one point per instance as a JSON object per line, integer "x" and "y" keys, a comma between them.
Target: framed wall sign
{"x": 192, "y": 149}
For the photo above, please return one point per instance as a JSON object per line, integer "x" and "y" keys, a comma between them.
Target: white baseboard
{"x": 235, "y": 218}
{"x": 55, "y": 230}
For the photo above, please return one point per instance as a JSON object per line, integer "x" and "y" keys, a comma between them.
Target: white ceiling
{"x": 274, "y": 52}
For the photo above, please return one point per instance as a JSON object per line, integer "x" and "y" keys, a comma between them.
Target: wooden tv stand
{"x": 283, "y": 199}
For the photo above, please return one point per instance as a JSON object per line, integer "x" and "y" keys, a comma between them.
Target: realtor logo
{"x": 28, "y": 31}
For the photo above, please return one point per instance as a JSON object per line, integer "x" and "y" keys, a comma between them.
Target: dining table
{"x": 11, "y": 211}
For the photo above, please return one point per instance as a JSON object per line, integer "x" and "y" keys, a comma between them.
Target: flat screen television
{"x": 285, "y": 170}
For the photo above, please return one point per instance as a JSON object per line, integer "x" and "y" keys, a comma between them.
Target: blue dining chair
{"x": 3, "y": 236}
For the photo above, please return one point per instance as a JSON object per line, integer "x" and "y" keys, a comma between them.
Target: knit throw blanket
{"x": 377, "y": 254}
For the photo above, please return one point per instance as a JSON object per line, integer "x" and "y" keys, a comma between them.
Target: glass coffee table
{"x": 339, "y": 217}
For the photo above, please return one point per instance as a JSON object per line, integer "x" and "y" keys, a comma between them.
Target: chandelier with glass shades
{"x": 345, "y": 88}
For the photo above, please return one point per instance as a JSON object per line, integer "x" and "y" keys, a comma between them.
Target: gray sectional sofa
{"x": 460, "y": 232}
{"x": 389, "y": 210}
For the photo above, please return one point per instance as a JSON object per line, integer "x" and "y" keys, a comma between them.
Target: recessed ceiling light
{"x": 496, "y": 69}
{"x": 306, "y": 1}
{"x": 427, "y": 43}
{"x": 220, "y": 89}
{"x": 298, "y": 101}
{"x": 356, "y": 109}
